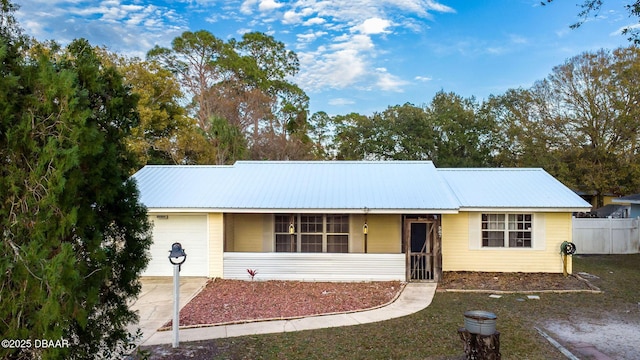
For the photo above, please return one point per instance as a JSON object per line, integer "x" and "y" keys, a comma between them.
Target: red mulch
{"x": 225, "y": 301}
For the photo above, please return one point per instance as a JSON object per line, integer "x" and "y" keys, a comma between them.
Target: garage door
{"x": 191, "y": 232}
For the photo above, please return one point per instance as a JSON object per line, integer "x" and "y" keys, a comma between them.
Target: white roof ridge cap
{"x": 187, "y": 166}
{"x": 332, "y": 162}
{"x": 492, "y": 169}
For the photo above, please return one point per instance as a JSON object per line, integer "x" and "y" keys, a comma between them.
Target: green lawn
{"x": 432, "y": 333}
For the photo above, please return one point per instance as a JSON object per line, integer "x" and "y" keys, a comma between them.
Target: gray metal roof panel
{"x": 297, "y": 185}
{"x": 629, "y": 199}
{"x": 510, "y": 188}
{"x": 344, "y": 185}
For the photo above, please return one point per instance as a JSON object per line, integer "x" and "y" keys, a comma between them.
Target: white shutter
{"x": 475, "y": 231}
{"x": 539, "y": 233}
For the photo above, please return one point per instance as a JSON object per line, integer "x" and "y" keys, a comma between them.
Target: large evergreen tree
{"x": 73, "y": 235}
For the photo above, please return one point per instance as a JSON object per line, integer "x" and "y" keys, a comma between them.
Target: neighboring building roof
{"x": 349, "y": 187}
{"x": 487, "y": 188}
{"x": 630, "y": 199}
{"x": 611, "y": 210}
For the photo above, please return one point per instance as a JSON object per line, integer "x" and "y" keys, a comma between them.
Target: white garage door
{"x": 188, "y": 230}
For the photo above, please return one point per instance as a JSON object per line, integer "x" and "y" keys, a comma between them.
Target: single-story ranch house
{"x": 355, "y": 220}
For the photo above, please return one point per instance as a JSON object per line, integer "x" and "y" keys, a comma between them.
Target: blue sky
{"x": 358, "y": 55}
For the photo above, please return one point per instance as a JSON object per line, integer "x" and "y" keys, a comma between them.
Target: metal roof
{"x": 629, "y": 199}
{"x": 347, "y": 186}
{"x": 516, "y": 188}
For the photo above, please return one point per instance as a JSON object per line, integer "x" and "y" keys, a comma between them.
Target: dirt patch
{"x": 618, "y": 339}
{"x": 229, "y": 301}
{"x": 511, "y": 282}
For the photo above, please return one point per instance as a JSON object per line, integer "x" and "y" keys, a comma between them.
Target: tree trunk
{"x": 480, "y": 347}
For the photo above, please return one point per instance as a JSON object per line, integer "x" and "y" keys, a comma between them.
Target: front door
{"x": 422, "y": 246}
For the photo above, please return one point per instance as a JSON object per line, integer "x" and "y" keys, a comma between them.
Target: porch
{"x": 315, "y": 266}
{"x": 376, "y": 247}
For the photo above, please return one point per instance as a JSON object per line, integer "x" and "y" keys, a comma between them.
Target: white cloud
{"x": 314, "y": 21}
{"x": 294, "y": 17}
{"x": 517, "y": 39}
{"x": 349, "y": 57}
{"x": 621, "y": 29}
{"x": 356, "y": 42}
{"x": 247, "y": 5}
{"x": 291, "y": 17}
{"x": 340, "y": 101}
{"x": 310, "y": 37}
{"x": 388, "y": 82}
{"x": 346, "y": 56}
{"x": 337, "y": 66}
{"x": 268, "y": 5}
{"x": 423, "y": 78}
{"x": 336, "y": 70}
{"x": 373, "y": 26}
{"x": 130, "y": 29}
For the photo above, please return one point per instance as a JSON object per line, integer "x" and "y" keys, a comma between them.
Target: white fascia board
{"x": 182, "y": 210}
{"x": 522, "y": 210}
{"x": 302, "y": 211}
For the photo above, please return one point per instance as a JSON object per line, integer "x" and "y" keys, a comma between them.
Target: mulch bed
{"x": 229, "y": 301}
{"x": 511, "y": 282}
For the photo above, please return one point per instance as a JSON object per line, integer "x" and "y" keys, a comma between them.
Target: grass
{"x": 432, "y": 333}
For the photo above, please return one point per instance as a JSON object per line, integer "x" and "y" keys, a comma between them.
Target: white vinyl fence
{"x": 606, "y": 236}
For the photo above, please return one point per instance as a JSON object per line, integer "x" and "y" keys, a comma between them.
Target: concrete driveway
{"x": 155, "y": 302}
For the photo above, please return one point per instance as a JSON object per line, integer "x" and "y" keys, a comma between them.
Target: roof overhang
{"x": 525, "y": 209}
{"x": 304, "y": 211}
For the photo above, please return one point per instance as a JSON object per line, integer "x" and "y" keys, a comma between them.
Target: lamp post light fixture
{"x": 365, "y": 228}
{"x": 292, "y": 231}
{"x": 365, "y": 231}
{"x": 177, "y": 256}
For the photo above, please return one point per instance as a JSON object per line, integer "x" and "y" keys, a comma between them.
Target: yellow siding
{"x": 216, "y": 244}
{"x": 229, "y": 243}
{"x": 460, "y": 254}
{"x": 248, "y": 233}
{"x": 385, "y": 234}
{"x": 356, "y": 237}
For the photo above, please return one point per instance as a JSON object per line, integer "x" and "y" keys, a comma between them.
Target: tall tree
{"x": 352, "y": 135}
{"x": 403, "y": 132}
{"x": 523, "y": 139}
{"x": 597, "y": 117}
{"x": 161, "y": 116}
{"x": 582, "y": 122}
{"x": 464, "y": 138}
{"x": 228, "y": 140}
{"x": 73, "y": 234}
{"x": 246, "y": 83}
{"x": 198, "y": 60}
{"x": 320, "y": 135}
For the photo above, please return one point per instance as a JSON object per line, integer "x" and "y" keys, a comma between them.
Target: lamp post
{"x": 177, "y": 256}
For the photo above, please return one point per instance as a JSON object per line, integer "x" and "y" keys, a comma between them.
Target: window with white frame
{"x": 507, "y": 230}
{"x": 312, "y": 233}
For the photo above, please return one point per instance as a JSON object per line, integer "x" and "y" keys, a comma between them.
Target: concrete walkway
{"x": 414, "y": 297}
{"x": 155, "y": 302}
